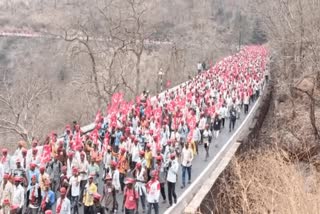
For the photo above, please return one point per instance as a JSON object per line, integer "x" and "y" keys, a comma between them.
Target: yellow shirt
{"x": 148, "y": 157}
{"x": 90, "y": 189}
{"x": 42, "y": 180}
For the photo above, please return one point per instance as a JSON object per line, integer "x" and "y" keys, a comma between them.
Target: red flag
{"x": 98, "y": 117}
{"x": 117, "y": 98}
{"x": 168, "y": 83}
{"x": 192, "y": 122}
{"x": 46, "y": 154}
{"x": 157, "y": 113}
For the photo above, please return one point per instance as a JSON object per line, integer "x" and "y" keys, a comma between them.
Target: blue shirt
{"x": 31, "y": 173}
{"x": 51, "y": 197}
{"x": 118, "y": 136}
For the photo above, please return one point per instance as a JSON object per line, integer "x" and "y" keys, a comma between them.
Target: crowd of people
{"x": 136, "y": 149}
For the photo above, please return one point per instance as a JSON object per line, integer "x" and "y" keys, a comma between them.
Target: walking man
{"x": 33, "y": 196}
{"x": 97, "y": 207}
{"x": 75, "y": 190}
{"x": 206, "y": 140}
{"x": 186, "y": 162}
{"x": 63, "y": 203}
{"x": 153, "y": 193}
{"x": 18, "y": 194}
{"x": 130, "y": 198}
{"x": 90, "y": 189}
{"x": 233, "y": 117}
{"x": 173, "y": 168}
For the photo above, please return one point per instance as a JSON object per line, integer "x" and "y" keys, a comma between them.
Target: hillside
{"x": 76, "y": 76}
{"x": 279, "y": 173}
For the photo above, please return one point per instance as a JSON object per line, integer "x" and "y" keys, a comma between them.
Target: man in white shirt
{"x": 83, "y": 169}
{"x": 107, "y": 158}
{"x": 75, "y": 190}
{"x": 153, "y": 193}
{"x": 6, "y": 191}
{"x": 223, "y": 115}
{"x": 63, "y": 203}
{"x": 186, "y": 163}
{"x": 5, "y": 160}
{"x": 71, "y": 163}
{"x": 18, "y": 194}
{"x": 135, "y": 149}
{"x": 173, "y": 168}
{"x": 206, "y": 140}
{"x": 202, "y": 125}
{"x": 196, "y": 137}
{"x": 115, "y": 176}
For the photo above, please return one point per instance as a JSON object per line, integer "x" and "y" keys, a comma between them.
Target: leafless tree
{"x": 20, "y": 102}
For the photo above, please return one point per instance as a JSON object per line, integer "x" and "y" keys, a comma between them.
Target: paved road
{"x": 198, "y": 164}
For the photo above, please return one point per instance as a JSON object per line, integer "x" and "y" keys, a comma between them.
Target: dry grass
{"x": 265, "y": 183}
{"x": 281, "y": 176}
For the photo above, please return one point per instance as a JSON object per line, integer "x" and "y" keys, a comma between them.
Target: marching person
{"x": 31, "y": 172}
{"x": 5, "y": 160}
{"x": 18, "y": 194}
{"x": 89, "y": 190}
{"x": 202, "y": 125}
{"x": 48, "y": 197}
{"x": 55, "y": 171}
{"x": 34, "y": 157}
{"x": 153, "y": 193}
{"x": 186, "y": 163}
{"x": 71, "y": 163}
{"x": 130, "y": 202}
{"x": 115, "y": 176}
{"x": 33, "y": 196}
{"x": 135, "y": 149}
{"x": 246, "y": 102}
{"x": 20, "y": 172}
{"x": 43, "y": 177}
{"x": 206, "y": 140}
{"x": 123, "y": 166}
{"x": 109, "y": 195}
{"x": 93, "y": 169}
{"x": 24, "y": 158}
{"x": 83, "y": 169}
{"x": 63, "y": 203}
{"x": 75, "y": 190}
{"x": 64, "y": 180}
{"x": 97, "y": 207}
{"x": 107, "y": 158}
{"x": 6, "y": 192}
{"x": 183, "y": 132}
{"x": 140, "y": 174}
{"x": 148, "y": 159}
{"x": 216, "y": 126}
{"x": 232, "y": 117}
{"x": 161, "y": 170}
{"x": 173, "y": 168}
{"x": 196, "y": 137}
{"x": 223, "y": 114}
